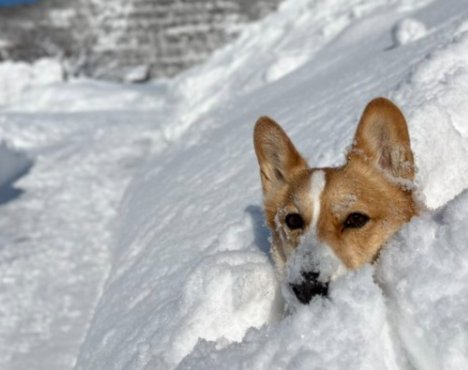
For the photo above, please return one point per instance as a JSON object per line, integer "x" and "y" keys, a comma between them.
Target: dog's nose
{"x": 309, "y": 287}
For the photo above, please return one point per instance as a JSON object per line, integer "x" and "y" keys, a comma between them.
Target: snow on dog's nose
{"x": 311, "y": 268}
{"x": 309, "y": 287}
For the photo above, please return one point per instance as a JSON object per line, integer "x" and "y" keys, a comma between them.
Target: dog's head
{"x": 336, "y": 219}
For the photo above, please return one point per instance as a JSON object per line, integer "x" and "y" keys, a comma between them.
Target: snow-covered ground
{"x": 138, "y": 241}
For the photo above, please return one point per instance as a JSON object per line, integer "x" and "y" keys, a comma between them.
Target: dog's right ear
{"x": 382, "y": 139}
{"x": 276, "y": 154}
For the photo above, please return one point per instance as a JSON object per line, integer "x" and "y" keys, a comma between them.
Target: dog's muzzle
{"x": 309, "y": 287}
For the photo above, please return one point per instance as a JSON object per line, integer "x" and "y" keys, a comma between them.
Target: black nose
{"x": 309, "y": 287}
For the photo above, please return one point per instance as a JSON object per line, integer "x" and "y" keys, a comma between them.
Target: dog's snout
{"x": 309, "y": 287}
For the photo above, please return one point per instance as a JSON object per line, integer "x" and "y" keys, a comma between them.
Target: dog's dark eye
{"x": 355, "y": 220}
{"x": 294, "y": 221}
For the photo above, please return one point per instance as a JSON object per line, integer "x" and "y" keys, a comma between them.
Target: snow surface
{"x": 18, "y": 77}
{"x": 139, "y": 240}
{"x": 408, "y": 30}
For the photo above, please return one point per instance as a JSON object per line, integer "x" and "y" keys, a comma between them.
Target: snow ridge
{"x": 191, "y": 225}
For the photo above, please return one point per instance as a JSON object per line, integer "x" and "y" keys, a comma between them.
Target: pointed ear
{"x": 276, "y": 154}
{"x": 382, "y": 139}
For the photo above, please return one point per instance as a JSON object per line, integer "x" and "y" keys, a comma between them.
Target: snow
{"x": 55, "y": 236}
{"x": 345, "y": 331}
{"x": 421, "y": 290}
{"x": 423, "y": 273}
{"x": 139, "y": 242}
{"x": 408, "y": 30}
{"x": 18, "y": 77}
{"x": 138, "y": 74}
{"x": 436, "y": 90}
{"x": 12, "y": 164}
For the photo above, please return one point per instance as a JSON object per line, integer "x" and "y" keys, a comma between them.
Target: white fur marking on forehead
{"x": 317, "y": 184}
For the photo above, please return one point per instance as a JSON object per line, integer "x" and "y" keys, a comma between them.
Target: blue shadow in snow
{"x": 261, "y": 231}
{"x": 8, "y": 191}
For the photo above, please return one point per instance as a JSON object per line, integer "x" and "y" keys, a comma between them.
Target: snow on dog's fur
{"x": 325, "y": 221}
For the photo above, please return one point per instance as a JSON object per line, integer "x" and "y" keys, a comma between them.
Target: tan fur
{"x": 376, "y": 180}
{"x": 277, "y": 156}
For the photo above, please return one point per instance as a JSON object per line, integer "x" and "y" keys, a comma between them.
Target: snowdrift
{"x": 17, "y": 78}
{"x": 191, "y": 284}
{"x": 411, "y": 316}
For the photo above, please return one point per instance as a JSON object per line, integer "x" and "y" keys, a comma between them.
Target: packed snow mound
{"x": 347, "y": 330}
{"x": 191, "y": 284}
{"x": 408, "y": 30}
{"x": 436, "y": 94}
{"x": 16, "y": 78}
{"x": 424, "y": 274}
{"x": 421, "y": 287}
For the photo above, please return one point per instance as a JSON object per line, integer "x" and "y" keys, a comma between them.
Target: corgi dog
{"x": 338, "y": 217}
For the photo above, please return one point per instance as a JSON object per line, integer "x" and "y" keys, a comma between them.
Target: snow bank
{"x": 408, "y": 30}
{"x": 16, "y": 78}
{"x": 424, "y": 274}
{"x": 421, "y": 290}
{"x": 345, "y": 331}
{"x": 269, "y": 50}
{"x": 436, "y": 94}
{"x": 83, "y": 95}
{"x": 191, "y": 285}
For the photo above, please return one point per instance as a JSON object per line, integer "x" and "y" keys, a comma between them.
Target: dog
{"x": 339, "y": 217}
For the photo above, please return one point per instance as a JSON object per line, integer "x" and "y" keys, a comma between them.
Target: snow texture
{"x": 18, "y": 77}
{"x": 423, "y": 274}
{"x": 408, "y": 30}
{"x": 139, "y": 240}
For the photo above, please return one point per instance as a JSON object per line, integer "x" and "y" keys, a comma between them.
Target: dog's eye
{"x": 355, "y": 220}
{"x": 294, "y": 221}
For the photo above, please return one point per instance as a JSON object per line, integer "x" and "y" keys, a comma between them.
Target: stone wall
{"x": 48, "y": 28}
{"x": 111, "y": 38}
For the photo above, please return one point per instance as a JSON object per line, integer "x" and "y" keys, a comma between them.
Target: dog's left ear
{"x": 382, "y": 139}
